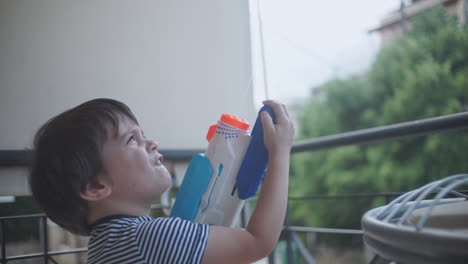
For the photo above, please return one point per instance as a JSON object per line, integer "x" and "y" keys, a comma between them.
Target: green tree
{"x": 423, "y": 74}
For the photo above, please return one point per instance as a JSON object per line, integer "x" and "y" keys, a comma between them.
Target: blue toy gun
{"x": 217, "y": 183}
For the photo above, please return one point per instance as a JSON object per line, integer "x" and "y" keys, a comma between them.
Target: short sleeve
{"x": 172, "y": 240}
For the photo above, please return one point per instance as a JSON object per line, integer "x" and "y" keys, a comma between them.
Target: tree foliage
{"x": 421, "y": 75}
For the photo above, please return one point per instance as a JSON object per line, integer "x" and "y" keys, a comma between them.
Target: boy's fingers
{"x": 285, "y": 110}
{"x": 278, "y": 109}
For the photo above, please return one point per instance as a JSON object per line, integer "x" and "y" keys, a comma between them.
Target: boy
{"x": 96, "y": 174}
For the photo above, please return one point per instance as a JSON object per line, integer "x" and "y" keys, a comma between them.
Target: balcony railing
{"x": 367, "y": 136}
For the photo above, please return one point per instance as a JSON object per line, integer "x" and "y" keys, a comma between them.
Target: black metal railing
{"x": 46, "y": 254}
{"x": 367, "y": 136}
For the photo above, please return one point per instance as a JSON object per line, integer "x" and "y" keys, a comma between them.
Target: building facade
{"x": 397, "y": 22}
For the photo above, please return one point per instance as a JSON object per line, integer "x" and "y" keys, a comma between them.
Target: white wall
{"x": 177, "y": 63}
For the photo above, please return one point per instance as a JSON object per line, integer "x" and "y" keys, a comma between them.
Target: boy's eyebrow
{"x": 126, "y": 133}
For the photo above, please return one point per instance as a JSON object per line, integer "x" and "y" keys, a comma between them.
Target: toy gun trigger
{"x": 234, "y": 189}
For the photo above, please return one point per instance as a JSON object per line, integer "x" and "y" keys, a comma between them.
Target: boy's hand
{"x": 278, "y": 137}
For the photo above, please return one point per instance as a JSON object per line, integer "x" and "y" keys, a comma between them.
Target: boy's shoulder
{"x": 123, "y": 221}
{"x": 146, "y": 237}
{"x": 118, "y": 221}
{"x": 131, "y": 226}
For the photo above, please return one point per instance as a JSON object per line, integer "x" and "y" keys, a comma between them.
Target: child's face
{"x": 134, "y": 166}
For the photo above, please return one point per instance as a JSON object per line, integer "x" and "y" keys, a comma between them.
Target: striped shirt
{"x": 145, "y": 240}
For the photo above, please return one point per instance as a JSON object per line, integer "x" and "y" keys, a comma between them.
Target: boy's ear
{"x": 96, "y": 191}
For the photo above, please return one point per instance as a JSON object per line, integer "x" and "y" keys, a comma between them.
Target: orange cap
{"x": 230, "y": 120}
{"x": 234, "y": 121}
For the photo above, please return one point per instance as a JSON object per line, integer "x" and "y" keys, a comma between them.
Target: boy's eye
{"x": 132, "y": 138}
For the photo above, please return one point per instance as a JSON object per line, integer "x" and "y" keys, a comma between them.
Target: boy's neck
{"x": 99, "y": 210}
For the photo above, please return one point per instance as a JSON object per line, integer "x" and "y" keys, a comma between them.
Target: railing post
{"x": 289, "y": 252}
{"x": 2, "y": 237}
{"x": 45, "y": 240}
{"x": 53, "y": 261}
{"x": 245, "y": 215}
{"x": 243, "y": 218}
{"x": 271, "y": 257}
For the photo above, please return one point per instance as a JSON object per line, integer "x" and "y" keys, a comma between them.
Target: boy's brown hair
{"x": 68, "y": 157}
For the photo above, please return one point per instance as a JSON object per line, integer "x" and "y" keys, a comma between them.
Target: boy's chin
{"x": 163, "y": 185}
{"x": 167, "y": 185}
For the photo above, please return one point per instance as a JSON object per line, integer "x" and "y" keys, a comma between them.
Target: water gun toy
{"x": 218, "y": 182}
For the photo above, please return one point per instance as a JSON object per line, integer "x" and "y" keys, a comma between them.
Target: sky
{"x": 308, "y": 42}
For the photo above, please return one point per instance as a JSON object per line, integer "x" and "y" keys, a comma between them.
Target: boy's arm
{"x": 228, "y": 245}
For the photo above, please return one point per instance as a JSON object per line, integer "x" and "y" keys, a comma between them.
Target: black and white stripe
{"x": 126, "y": 239}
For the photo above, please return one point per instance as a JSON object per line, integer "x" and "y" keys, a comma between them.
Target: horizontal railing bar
{"x": 2, "y": 218}
{"x": 180, "y": 155}
{"x": 24, "y": 157}
{"x": 324, "y": 230}
{"x": 353, "y": 195}
{"x": 160, "y": 206}
{"x": 25, "y": 256}
{"x": 21, "y": 216}
{"x": 70, "y": 251}
{"x": 15, "y": 157}
{"x": 345, "y": 196}
{"x": 384, "y": 133}
{"x": 50, "y": 253}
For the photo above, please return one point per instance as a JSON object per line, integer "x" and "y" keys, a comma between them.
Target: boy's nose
{"x": 151, "y": 145}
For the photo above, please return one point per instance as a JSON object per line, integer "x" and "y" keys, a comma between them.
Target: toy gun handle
{"x": 255, "y": 161}
{"x": 193, "y": 187}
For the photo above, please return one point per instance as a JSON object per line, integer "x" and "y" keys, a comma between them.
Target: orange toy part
{"x": 230, "y": 120}
{"x": 235, "y": 121}
{"x": 211, "y": 132}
